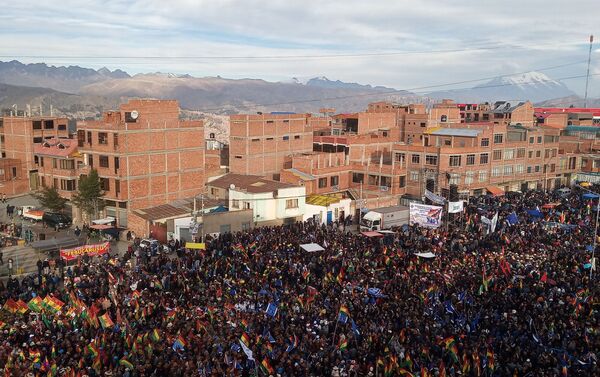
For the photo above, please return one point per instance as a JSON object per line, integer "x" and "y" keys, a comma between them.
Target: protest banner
{"x": 91, "y": 250}
{"x": 425, "y": 215}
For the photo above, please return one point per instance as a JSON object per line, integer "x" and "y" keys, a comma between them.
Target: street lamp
{"x": 595, "y": 230}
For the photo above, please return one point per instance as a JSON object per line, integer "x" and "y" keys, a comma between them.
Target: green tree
{"x": 88, "y": 197}
{"x": 50, "y": 198}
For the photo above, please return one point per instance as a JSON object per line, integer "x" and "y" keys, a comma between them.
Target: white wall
{"x": 291, "y": 193}
{"x": 342, "y": 205}
{"x": 266, "y": 208}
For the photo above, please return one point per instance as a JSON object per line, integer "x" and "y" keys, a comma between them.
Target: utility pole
{"x": 587, "y": 76}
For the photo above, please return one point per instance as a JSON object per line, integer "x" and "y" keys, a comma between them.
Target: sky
{"x": 404, "y": 44}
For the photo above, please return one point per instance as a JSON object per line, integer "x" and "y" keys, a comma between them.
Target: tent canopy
{"x": 311, "y": 247}
{"x": 372, "y": 234}
{"x": 426, "y": 255}
{"x": 104, "y": 221}
{"x": 100, "y": 226}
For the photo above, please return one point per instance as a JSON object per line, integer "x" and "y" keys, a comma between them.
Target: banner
{"x": 434, "y": 198}
{"x": 195, "y": 245}
{"x": 455, "y": 207}
{"x": 91, "y": 250}
{"x": 425, "y": 215}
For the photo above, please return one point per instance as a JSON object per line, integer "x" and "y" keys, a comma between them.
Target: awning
{"x": 372, "y": 234}
{"x": 100, "y": 226}
{"x": 106, "y": 220}
{"x": 495, "y": 190}
{"x": 311, "y": 247}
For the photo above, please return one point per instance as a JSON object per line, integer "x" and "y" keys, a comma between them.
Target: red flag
{"x": 544, "y": 277}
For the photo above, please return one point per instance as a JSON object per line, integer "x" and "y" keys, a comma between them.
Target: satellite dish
{"x": 232, "y": 186}
{"x": 134, "y": 114}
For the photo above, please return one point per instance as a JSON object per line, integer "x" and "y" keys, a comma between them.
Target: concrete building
{"x": 19, "y": 134}
{"x": 272, "y": 202}
{"x": 58, "y": 164}
{"x": 144, "y": 154}
{"x": 260, "y": 142}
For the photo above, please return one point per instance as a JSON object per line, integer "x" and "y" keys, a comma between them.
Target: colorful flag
{"x": 35, "y": 304}
{"x": 490, "y": 356}
{"x": 343, "y": 314}
{"x": 126, "y": 363}
{"x": 343, "y": 343}
{"x": 245, "y": 339}
{"x": 105, "y": 321}
{"x": 179, "y": 343}
{"x": 22, "y": 307}
{"x": 244, "y": 324}
{"x": 292, "y": 344}
{"x": 155, "y": 336}
{"x": 271, "y": 309}
{"x": 340, "y": 276}
{"x": 92, "y": 350}
{"x": 10, "y": 306}
{"x": 266, "y": 366}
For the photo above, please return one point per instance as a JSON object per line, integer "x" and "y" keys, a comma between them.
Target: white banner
{"x": 434, "y": 198}
{"x": 455, "y": 207}
{"x": 425, "y": 215}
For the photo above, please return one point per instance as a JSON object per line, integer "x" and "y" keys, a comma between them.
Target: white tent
{"x": 426, "y": 255}
{"x": 311, "y": 247}
{"x": 104, "y": 221}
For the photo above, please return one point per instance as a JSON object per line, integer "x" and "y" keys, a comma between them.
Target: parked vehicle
{"x": 31, "y": 213}
{"x": 57, "y": 220}
{"x": 385, "y": 218}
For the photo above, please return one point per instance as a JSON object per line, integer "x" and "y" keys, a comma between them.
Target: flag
{"x": 292, "y": 344}
{"x": 355, "y": 329}
{"x": 10, "y": 306}
{"x": 271, "y": 310}
{"x": 22, "y": 307}
{"x": 126, "y": 363}
{"x": 424, "y": 372}
{"x": 343, "y": 314}
{"x": 442, "y": 369}
{"x": 92, "y": 350}
{"x": 245, "y": 339}
{"x": 105, "y": 321}
{"x": 155, "y": 336}
{"x": 376, "y": 292}
{"x": 244, "y": 324}
{"x": 490, "y": 357}
{"x": 340, "y": 276}
{"x": 247, "y": 350}
{"x": 266, "y": 366}
{"x": 179, "y": 343}
{"x": 544, "y": 277}
{"x": 35, "y": 304}
{"x": 512, "y": 219}
{"x": 306, "y": 274}
{"x": 343, "y": 343}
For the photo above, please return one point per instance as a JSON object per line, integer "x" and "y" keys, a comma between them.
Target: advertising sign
{"x": 425, "y": 215}
{"x": 91, "y": 250}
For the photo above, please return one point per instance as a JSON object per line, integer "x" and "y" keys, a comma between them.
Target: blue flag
{"x": 271, "y": 310}
{"x": 375, "y": 292}
{"x": 343, "y": 318}
{"x": 513, "y": 218}
{"x": 355, "y": 329}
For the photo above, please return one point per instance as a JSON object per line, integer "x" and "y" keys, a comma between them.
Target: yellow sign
{"x": 195, "y": 245}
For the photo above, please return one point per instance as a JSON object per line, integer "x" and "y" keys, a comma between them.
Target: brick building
{"x": 58, "y": 164}
{"x": 19, "y": 134}
{"x": 144, "y": 154}
{"x": 12, "y": 181}
{"x": 259, "y": 143}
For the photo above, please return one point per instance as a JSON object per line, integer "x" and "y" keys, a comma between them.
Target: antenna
{"x": 587, "y": 76}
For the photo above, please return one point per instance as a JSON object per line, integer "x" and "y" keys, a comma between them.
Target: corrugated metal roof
{"x": 301, "y": 174}
{"x": 464, "y": 132}
{"x": 321, "y": 200}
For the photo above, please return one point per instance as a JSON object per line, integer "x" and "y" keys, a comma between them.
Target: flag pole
{"x": 334, "y": 331}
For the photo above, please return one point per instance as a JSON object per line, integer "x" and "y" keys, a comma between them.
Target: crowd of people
{"x": 516, "y": 300}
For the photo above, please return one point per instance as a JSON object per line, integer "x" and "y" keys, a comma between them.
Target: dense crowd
{"x": 515, "y": 301}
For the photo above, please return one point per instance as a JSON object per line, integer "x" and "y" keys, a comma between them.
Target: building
{"x": 19, "y": 134}
{"x": 144, "y": 154}
{"x": 12, "y": 181}
{"x": 58, "y": 163}
{"x": 326, "y": 209}
{"x": 272, "y": 202}
{"x": 259, "y": 143}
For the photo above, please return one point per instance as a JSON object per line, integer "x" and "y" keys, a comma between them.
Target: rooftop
{"x": 461, "y": 132}
{"x": 249, "y": 183}
{"x": 178, "y": 208}
{"x": 56, "y": 147}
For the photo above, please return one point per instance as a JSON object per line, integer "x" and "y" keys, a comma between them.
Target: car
{"x": 57, "y": 220}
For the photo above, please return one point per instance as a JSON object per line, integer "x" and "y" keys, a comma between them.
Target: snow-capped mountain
{"x": 533, "y": 86}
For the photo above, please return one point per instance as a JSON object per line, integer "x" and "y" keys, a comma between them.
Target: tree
{"x": 51, "y": 199}
{"x": 88, "y": 197}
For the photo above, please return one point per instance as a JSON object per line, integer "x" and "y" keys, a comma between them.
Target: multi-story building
{"x": 259, "y": 143}
{"x": 144, "y": 154}
{"x": 58, "y": 164}
{"x": 12, "y": 181}
{"x": 19, "y": 134}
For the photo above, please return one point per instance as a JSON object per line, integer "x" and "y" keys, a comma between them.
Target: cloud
{"x": 521, "y": 35}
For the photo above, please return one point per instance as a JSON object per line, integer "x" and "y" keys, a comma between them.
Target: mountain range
{"x": 79, "y": 92}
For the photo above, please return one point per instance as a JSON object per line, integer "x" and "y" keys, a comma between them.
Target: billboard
{"x": 425, "y": 215}
{"x": 91, "y": 250}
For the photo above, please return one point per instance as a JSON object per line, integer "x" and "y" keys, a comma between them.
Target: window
{"x": 322, "y": 182}
{"x": 80, "y": 138}
{"x": 89, "y": 137}
{"x": 529, "y": 169}
{"x": 247, "y": 205}
{"x": 423, "y": 124}
{"x": 519, "y": 169}
{"x": 358, "y": 177}
{"x": 269, "y": 138}
{"x": 102, "y": 138}
{"x": 537, "y": 168}
{"x": 48, "y": 125}
{"x": 235, "y": 203}
{"x": 554, "y": 152}
{"x": 485, "y": 142}
{"x": 538, "y": 154}
{"x": 484, "y": 158}
{"x": 470, "y": 159}
{"x": 402, "y": 181}
{"x": 431, "y": 159}
{"x": 131, "y": 119}
{"x": 67, "y": 164}
{"x": 444, "y": 118}
{"x": 508, "y": 169}
{"x": 448, "y": 142}
{"x": 497, "y": 155}
{"x": 509, "y": 154}
{"x": 54, "y": 163}
{"x": 334, "y": 181}
{"x": 238, "y": 156}
{"x": 255, "y": 139}
{"x": 117, "y": 187}
{"x": 521, "y": 153}
{"x": 37, "y": 124}
{"x": 291, "y": 203}
{"x": 116, "y": 140}
{"x": 531, "y": 139}
{"x": 117, "y": 162}
{"x": 400, "y": 157}
{"x": 62, "y": 127}
{"x": 454, "y": 179}
{"x": 42, "y": 161}
{"x": 469, "y": 177}
{"x": 530, "y": 154}
{"x": 539, "y": 140}
{"x": 498, "y": 138}
{"x": 105, "y": 184}
{"x": 55, "y": 183}
{"x": 38, "y": 139}
{"x": 270, "y": 122}
{"x": 482, "y": 176}
{"x": 286, "y": 137}
{"x": 496, "y": 171}
{"x": 296, "y": 137}
{"x": 103, "y": 161}
{"x": 455, "y": 160}
{"x": 67, "y": 185}
{"x": 415, "y": 158}
{"x": 414, "y": 176}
